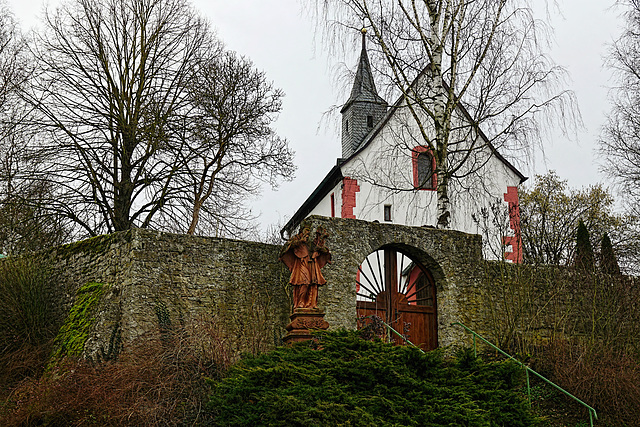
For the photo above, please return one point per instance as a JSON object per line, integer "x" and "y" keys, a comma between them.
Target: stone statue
{"x": 305, "y": 260}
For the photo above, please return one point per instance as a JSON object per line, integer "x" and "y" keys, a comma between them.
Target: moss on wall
{"x": 95, "y": 245}
{"x": 74, "y": 332}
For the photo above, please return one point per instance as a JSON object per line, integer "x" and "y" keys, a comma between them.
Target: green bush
{"x": 27, "y": 320}
{"x": 27, "y": 314}
{"x": 342, "y": 379}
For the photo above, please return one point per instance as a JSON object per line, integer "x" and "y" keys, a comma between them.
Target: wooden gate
{"x": 402, "y": 293}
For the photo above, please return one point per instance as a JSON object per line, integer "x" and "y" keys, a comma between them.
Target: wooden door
{"x": 395, "y": 288}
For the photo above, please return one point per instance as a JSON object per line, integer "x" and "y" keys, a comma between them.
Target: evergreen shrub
{"x": 342, "y": 379}
{"x": 608, "y": 261}
{"x": 584, "y": 258}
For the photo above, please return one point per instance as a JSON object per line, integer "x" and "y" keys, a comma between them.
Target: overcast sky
{"x": 279, "y": 38}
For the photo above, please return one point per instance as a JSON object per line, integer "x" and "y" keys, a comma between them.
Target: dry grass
{"x": 606, "y": 379}
{"x": 157, "y": 383}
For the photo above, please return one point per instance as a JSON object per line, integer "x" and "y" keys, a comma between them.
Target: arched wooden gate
{"x": 396, "y": 288}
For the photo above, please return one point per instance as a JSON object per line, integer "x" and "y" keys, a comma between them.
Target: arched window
{"x": 424, "y": 169}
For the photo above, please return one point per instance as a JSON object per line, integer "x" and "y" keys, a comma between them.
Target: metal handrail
{"x": 592, "y": 412}
{"x": 391, "y": 329}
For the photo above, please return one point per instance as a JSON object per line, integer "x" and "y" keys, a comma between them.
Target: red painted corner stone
{"x": 515, "y": 241}
{"x": 349, "y": 189}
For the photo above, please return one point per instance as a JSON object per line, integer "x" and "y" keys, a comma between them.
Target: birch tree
{"x": 473, "y": 73}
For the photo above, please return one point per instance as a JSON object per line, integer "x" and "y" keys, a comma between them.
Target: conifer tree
{"x": 608, "y": 261}
{"x": 584, "y": 259}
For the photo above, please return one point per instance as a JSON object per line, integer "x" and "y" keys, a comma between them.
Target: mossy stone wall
{"x": 154, "y": 279}
{"x": 101, "y": 259}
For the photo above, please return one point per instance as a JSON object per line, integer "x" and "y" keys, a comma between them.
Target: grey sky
{"x": 279, "y": 39}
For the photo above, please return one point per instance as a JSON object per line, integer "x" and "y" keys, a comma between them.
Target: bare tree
{"x": 231, "y": 145}
{"x": 14, "y": 71}
{"x": 13, "y": 62}
{"x": 550, "y": 214}
{"x": 461, "y": 66}
{"x": 620, "y": 138}
{"x": 122, "y": 128}
{"x": 23, "y": 225}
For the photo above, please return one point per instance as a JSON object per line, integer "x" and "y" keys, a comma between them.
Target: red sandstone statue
{"x": 305, "y": 259}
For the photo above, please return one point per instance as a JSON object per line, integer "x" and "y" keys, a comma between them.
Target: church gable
{"x": 388, "y": 174}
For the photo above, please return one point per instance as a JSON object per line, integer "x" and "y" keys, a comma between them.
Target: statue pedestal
{"x": 302, "y": 321}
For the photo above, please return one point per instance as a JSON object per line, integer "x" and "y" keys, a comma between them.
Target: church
{"x": 386, "y": 174}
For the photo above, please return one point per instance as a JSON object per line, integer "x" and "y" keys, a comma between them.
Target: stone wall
{"x": 158, "y": 280}
{"x": 237, "y": 283}
{"x": 102, "y": 259}
{"x": 525, "y": 307}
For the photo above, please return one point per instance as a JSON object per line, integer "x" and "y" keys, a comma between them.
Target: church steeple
{"x": 364, "y": 108}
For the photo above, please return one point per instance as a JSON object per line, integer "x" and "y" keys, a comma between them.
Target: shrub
{"x": 26, "y": 310}
{"x": 28, "y": 321}
{"x": 344, "y": 379}
{"x": 607, "y": 379}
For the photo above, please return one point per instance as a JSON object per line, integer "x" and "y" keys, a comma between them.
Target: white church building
{"x": 386, "y": 175}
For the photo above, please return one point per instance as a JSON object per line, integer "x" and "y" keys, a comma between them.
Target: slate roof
{"x": 364, "y": 87}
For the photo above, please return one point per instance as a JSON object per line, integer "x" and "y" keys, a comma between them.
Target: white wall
{"x": 324, "y": 207}
{"x": 384, "y": 171}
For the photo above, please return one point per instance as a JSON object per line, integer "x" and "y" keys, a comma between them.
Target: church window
{"x": 370, "y": 121}
{"x": 333, "y": 205}
{"x": 424, "y": 169}
{"x": 387, "y": 212}
{"x": 346, "y": 126}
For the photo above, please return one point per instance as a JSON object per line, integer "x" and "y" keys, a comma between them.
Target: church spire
{"x": 364, "y": 108}
{"x": 364, "y": 88}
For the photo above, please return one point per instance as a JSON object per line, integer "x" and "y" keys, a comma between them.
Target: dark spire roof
{"x": 364, "y": 88}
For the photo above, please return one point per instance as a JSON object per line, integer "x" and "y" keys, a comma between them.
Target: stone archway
{"x": 453, "y": 259}
{"x": 400, "y": 291}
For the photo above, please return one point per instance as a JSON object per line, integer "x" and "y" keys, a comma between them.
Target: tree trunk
{"x": 123, "y": 188}
{"x": 195, "y": 216}
{"x": 444, "y": 204}
{"x": 122, "y": 207}
{"x": 439, "y": 118}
